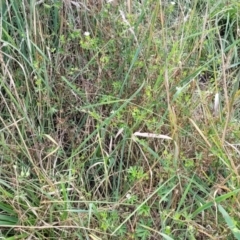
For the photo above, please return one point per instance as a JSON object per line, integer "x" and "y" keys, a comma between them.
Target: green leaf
{"x": 216, "y": 200}
{"x": 7, "y": 220}
{"x": 230, "y": 222}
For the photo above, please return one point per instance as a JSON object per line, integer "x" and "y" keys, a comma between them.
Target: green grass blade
{"x": 216, "y": 200}
{"x": 230, "y": 222}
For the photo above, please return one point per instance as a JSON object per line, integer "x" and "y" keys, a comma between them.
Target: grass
{"x": 119, "y": 120}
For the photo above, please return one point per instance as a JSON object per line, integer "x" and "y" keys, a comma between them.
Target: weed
{"x": 119, "y": 120}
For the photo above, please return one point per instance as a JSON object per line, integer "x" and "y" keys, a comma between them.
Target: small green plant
{"x": 136, "y": 173}
{"x": 144, "y": 210}
{"x": 141, "y": 231}
{"x": 89, "y": 43}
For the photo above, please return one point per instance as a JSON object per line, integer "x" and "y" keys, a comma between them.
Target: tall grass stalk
{"x": 119, "y": 120}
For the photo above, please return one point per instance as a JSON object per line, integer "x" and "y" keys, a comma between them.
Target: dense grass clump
{"x": 119, "y": 119}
